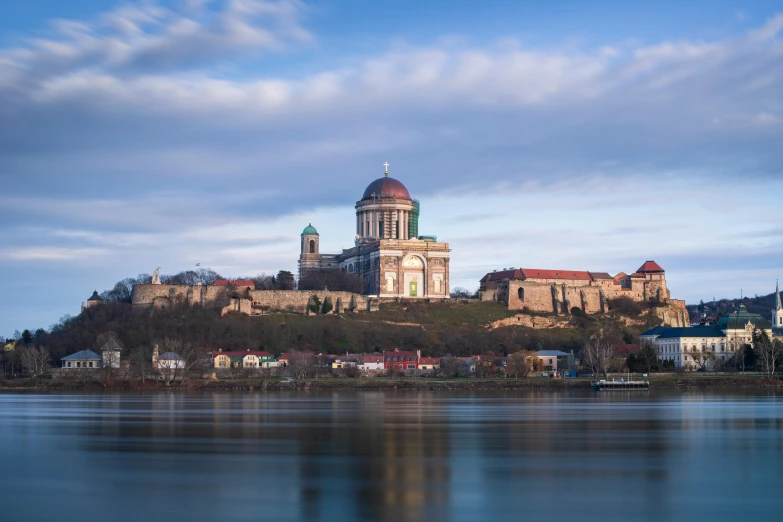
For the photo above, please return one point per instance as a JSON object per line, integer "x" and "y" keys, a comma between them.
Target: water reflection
{"x": 392, "y": 456}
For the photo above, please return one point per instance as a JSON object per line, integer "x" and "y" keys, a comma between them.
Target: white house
{"x": 85, "y": 359}
{"x": 372, "y": 362}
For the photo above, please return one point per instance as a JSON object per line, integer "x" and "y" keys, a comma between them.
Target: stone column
{"x": 358, "y": 217}
{"x": 405, "y": 224}
{"x": 376, "y": 224}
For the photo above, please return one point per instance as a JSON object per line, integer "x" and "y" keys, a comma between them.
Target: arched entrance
{"x": 413, "y": 277}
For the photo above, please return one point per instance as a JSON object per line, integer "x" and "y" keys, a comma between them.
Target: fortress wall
{"x": 536, "y": 297}
{"x": 297, "y": 300}
{"x": 592, "y": 300}
{"x": 159, "y": 296}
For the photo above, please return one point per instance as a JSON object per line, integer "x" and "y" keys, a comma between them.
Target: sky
{"x": 565, "y": 135}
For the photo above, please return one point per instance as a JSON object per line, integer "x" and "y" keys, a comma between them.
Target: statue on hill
{"x": 156, "y": 276}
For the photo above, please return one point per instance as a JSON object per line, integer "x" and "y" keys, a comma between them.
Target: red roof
{"x": 637, "y": 274}
{"x": 235, "y": 282}
{"x": 515, "y": 273}
{"x": 373, "y": 358}
{"x": 400, "y": 356}
{"x": 429, "y": 360}
{"x": 242, "y": 354}
{"x": 650, "y": 266}
{"x": 535, "y": 273}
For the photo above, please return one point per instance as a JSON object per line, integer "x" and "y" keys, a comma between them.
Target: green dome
{"x": 310, "y": 230}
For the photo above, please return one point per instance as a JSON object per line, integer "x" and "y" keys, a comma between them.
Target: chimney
{"x": 220, "y": 349}
{"x": 418, "y": 354}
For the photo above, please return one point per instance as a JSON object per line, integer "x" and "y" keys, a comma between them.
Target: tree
{"x": 141, "y": 361}
{"x": 701, "y": 356}
{"x": 449, "y": 367}
{"x": 300, "y": 363}
{"x": 284, "y": 280}
{"x": 598, "y": 354}
{"x": 35, "y": 360}
{"x": 701, "y": 306}
{"x": 648, "y": 355}
{"x": 768, "y": 351}
{"x": 27, "y": 337}
{"x": 520, "y": 364}
{"x": 460, "y": 292}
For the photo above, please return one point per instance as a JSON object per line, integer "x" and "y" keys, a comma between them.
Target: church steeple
{"x": 778, "y": 307}
{"x": 777, "y": 313}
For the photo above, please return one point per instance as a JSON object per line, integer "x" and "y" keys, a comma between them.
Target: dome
{"x": 386, "y": 187}
{"x": 310, "y": 230}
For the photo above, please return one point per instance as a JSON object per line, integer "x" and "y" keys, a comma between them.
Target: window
{"x": 312, "y": 246}
{"x": 411, "y": 366}
{"x": 521, "y": 294}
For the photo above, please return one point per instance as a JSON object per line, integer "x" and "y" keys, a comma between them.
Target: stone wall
{"x": 249, "y": 302}
{"x": 558, "y": 299}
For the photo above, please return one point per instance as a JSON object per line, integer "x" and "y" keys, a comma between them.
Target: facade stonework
{"x": 389, "y": 255}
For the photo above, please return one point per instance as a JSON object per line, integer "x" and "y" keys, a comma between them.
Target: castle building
{"x": 388, "y": 254}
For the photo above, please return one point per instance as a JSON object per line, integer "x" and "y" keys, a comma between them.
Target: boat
{"x": 620, "y": 384}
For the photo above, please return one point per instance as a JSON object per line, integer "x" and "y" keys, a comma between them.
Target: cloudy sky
{"x": 549, "y": 135}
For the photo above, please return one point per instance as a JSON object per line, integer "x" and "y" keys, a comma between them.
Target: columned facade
{"x": 388, "y": 254}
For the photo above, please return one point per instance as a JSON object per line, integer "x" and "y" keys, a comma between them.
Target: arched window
{"x": 312, "y": 246}
{"x": 521, "y": 294}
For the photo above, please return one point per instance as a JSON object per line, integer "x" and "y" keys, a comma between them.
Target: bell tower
{"x": 777, "y": 313}
{"x": 309, "y": 256}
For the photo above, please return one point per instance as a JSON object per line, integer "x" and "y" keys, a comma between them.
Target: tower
{"x": 309, "y": 256}
{"x": 777, "y": 313}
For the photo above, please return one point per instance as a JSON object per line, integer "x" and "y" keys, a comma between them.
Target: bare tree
{"x": 449, "y": 366}
{"x": 183, "y": 358}
{"x": 701, "y": 356}
{"x": 598, "y": 354}
{"x": 768, "y": 351}
{"x": 141, "y": 362}
{"x": 300, "y": 363}
{"x": 36, "y": 360}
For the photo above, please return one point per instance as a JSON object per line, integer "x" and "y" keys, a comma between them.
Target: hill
{"x": 459, "y": 327}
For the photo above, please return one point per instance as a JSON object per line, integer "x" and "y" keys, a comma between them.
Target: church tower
{"x": 777, "y": 313}
{"x": 309, "y": 256}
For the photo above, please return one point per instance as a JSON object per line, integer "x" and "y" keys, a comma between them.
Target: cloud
{"x": 212, "y": 133}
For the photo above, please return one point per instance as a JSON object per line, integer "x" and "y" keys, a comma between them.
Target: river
{"x": 391, "y": 456}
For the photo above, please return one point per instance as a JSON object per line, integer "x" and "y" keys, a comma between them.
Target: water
{"x": 391, "y": 456}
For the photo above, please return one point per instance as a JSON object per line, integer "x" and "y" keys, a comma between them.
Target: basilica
{"x": 388, "y": 253}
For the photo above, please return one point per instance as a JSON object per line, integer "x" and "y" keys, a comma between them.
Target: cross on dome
{"x": 386, "y": 172}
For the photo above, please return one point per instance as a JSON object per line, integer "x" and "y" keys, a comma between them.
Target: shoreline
{"x": 672, "y": 383}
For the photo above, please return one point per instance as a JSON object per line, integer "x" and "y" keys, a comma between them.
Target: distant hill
{"x": 758, "y": 304}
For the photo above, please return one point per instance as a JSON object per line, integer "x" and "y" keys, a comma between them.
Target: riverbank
{"x": 666, "y": 382}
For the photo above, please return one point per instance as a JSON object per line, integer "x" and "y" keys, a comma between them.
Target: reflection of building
{"x": 389, "y": 254}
